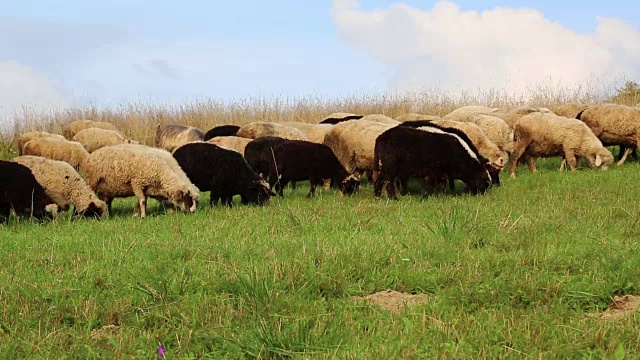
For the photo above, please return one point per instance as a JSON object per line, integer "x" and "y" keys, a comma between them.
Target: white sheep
{"x": 570, "y": 110}
{"x": 95, "y": 138}
{"x": 28, "y": 136}
{"x": 173, "y": 165}
{"x": 471, "y": 109}
{"x": 614, "y": 124}
{"x": 313, "y": 132}
{"x": 353, "y": 143}
{"x": 74, "y": 127}
{"x": 71, "y": 152}
{"x": 416, "y": 117}
{"x": 171, "y": 137}
{"x": 382, "y": 119}
{"x": 546, "y": 135}
{"x": 260, "y": 128}
{"x": 494, "y": 127}
{"x": 64, "y": 185}
{"x": 235, "y": 143}
{"x": 117, "y": 171}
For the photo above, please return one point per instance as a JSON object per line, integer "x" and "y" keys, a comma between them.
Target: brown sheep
{"x": 171, "y": 137}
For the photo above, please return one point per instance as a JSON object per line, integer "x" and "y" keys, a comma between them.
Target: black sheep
{"x": 339, "y": 120}
{"x": 259, "y": 155}
{"x": 403, "y": 152}
{"x": 223, "y": 130}
{"x": 493, "y": 171}
{"x": 223, "y": 172}
{"x": 20, "y": 191}
{"x": 297, "y": 160}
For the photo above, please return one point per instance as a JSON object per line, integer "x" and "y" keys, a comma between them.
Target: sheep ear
{"x": 598, "y": 160}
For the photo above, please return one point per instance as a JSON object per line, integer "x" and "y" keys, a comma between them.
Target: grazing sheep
{"x": 173, "y": 165}
{"x": 340, "y": 117}
{"x": 95, "y": 138}
{"x": 297, "y": 160}
{"x": 71, "y": 152}
{"x": 494, "y": 127}
{"x": 223, "y": 130}
{"x": 353, "y": 143}
{"x": 547, "y": 135}
{"x": 20, "y": 191}
{"x": 26, "y": 137}
{"x": 472, "y": 109}
{"x": 403, "y": 152}
{"x": 260, "y": 128}
{"x": 64, "y": 185}
{"x": 313, "y": 132}
{"x": 259, "y": 153}
{"x": 381, "y": 119}
{"x": 614, "y": 125}
{"x": 486, "y": 148}
{"x": 570, "y": 110}
{"x": 118, "y": 171}
{"x": 171, "y": 137}
{"x": 223, "y": 172}
{"x": 512, "y": 116}
{"x": 414, "y": 117}
{"x": 72, "y": 128}
{"x": 234, "y": 143}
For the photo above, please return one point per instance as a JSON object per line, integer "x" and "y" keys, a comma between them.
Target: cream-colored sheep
{"x": 74, "y": 127}
{"x": 64, "y": 185}
{"x": 353, "y": 143}
{"x": 95, "y": 138}
{"x": 117, "y": 171}
{"x": 260, "y": 128}
{"x": 313, "y": 132}
{"x": 546, "y": 135}
{"x": 614, "y": 125}
{"x": 71, "y": 152}
{"x": 416, "y": 117}
{"x": 471, "y": 109}
{"x": 26, "y": 137}
{"x": 235, "y": 143}
{"x": 173, "y": 164}
{"x": 485, "y": 146}
{"x": 512, "y": 116}
{"x": 382, "y": 119}
{"x": 171, "y": 137}
{"x": 570, "y": 110}
{"x": 494, "y": 127}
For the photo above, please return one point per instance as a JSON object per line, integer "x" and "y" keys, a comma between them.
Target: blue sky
{"x": 110, "y": 51}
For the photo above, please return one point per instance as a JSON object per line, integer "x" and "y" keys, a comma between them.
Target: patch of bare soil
{"x": 394, "y": 300}
{"x": 622, "y": 307}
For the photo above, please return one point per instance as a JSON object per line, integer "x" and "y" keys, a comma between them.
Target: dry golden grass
{"x": 138, "y": 120}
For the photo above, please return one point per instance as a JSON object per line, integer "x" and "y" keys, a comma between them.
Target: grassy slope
{"x": 513, "y": 272}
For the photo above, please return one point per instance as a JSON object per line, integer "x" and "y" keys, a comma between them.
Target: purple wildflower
{"x": 161, "y": 351}
{"x": 399, "y": 222}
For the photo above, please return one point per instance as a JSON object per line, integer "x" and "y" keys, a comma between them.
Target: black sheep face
{"x": 350, "y": 185}
{"x": 481, "y": 183}
{"x": 259, "y": 193}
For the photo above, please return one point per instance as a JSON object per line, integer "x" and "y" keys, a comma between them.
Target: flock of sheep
{"x": 472, "y": 144}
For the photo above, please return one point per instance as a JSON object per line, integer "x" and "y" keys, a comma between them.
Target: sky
{"x": 60, "y": 53}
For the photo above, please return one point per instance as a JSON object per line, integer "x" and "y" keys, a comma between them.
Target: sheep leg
{"x": 280, "y": 186}
{"x": 391, "y": 189}
{"x": 142, "y": 202}
{"x": 570, "y": 158}
{"x": 327, "y": 184}
{"x": 531, "y": 163}
{"x": 518, "y": 150}
{"x": 627, "y": 151}
{"x": 312, "y": 189}
{"x": 377, "y": 185}
{"x": 228, "y": 200}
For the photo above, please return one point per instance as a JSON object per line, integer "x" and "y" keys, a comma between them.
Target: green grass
{"x": 511, "y": 274}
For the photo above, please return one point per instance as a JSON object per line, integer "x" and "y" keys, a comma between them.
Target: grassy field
{"x": 514, "y": 273}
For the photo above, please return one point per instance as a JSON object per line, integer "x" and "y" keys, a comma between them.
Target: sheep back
{"x": 171, "y": 137}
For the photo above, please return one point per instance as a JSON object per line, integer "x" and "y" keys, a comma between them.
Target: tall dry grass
{"x": 138, "y": 120}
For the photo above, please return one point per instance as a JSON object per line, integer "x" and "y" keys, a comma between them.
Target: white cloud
{"x": 508, "y": 48}
{"x": 22, "y": 88}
